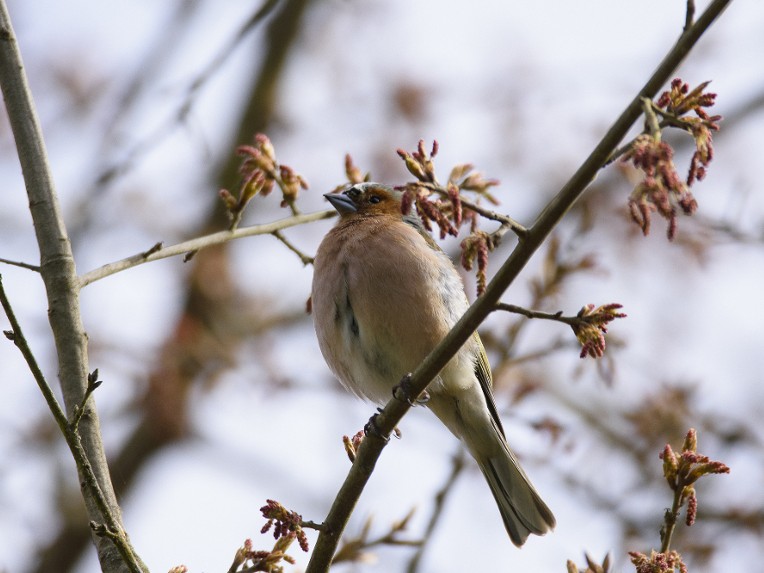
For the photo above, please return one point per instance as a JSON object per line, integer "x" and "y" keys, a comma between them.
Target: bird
{"x": 383, "y": 295}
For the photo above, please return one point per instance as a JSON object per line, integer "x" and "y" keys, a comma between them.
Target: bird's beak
{"x": 341, "y": 202}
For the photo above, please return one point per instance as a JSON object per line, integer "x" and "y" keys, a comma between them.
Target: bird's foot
{"x": 372, "y": 429}
{"x": 403, "y": 393}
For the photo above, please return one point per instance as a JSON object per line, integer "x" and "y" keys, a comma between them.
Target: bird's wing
{"x": 482, "y": 367}
{"x": 483, "y": 374}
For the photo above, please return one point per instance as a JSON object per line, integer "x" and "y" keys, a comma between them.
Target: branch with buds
{"x": 447, "y": 208}
{"x": 287, "y": 527}
{"x": 589, "y": 325}
{"x": 662, "y": 190}
{"x": 260, "y": 173}
{"x": 681, "y": 471}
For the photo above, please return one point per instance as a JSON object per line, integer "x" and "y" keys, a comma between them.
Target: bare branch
{"x": 34, "y": 268}
{"x": 306, "y": 259}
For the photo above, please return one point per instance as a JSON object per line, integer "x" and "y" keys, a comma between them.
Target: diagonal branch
{"x": 371, "y": 448}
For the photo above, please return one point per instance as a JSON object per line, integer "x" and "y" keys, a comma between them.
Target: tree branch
{"x": 306, "y": 259}
{"x": 70, "y": 429}
{"x": 390, "y": 416}
{"x": 556, "y": 316}
{"x": 154, "y": 254}
{"x": 60, "y": 278}
{"x": 21, "y": 264}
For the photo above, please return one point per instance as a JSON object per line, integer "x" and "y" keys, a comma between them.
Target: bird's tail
{"x": 521, "y": 507}
{"x": 466, "y": 415}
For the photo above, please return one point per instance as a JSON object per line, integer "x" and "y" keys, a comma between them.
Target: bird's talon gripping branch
{"x": 402, "y": 392}
{"x": 372, "y": 429}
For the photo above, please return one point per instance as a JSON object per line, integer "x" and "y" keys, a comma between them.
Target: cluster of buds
{"x": 662, "y": 190}
{"x": 667, "y": 562}
{"x": 590, "y": 327}
{"x": 464, "y": 178}
{"x": 285, "y": 523}
{"x": 417, "y": 194}
{"x": 446, "y": 210}
{"x": 683, "y": 470}
{"x": 438, "y": 211}
{"x": 678, "y": 101}
{"x": 260, "y": 173}
{"x": 354, "y": 173}
{"x": 419, "y": 163}
{"x": 287, "y": 527}
{"x": 249, "y": 559}
{"x": 476, "y": 248}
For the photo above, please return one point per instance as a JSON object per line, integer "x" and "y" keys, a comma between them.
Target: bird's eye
{"x": 375, "y": 199}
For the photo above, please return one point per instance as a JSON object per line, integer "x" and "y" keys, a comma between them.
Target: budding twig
{"x": 200, "y": 243}
{"x": 589, "y": 325}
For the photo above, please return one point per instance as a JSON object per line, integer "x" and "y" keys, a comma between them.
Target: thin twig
{"x": 16, "y": 336}
{"x": 217, "y": 62}
{"x": 73, "y": 440}
{"x": 689, "y": 16}
{"x": 200, "y": 243}
{"x": 669, "y": 120}
{"x": 670, "y": 518}
{"x": 559, "y": 343}
{"x": 353, "y": 549}
{"x": 306, "y": 259}
{"x": 311, "y": 525}
{"x": 458, "y": 463}
{"x": 371, "y": 447}
{"x": 651, "y": 119}
{"x": 505, "y": 220}
{"x": 556, "y": 316}
{"x": 166, "y": 128}
{"x": 34, "y": 268}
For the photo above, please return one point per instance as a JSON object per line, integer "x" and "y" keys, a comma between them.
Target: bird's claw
{"x": 372, "y": 429}
{"x": 403, "y": 392}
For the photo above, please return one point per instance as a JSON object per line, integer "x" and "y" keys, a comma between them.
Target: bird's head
{"x": 366, "y": 199}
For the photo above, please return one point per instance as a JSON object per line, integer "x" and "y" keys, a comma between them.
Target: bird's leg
{"x": 402, "y": 392}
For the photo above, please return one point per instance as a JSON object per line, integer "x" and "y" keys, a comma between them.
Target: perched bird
{"x": 384, "y": 295}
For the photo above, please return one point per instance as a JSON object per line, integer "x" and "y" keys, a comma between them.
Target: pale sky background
{"x": 555, "y": 74}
